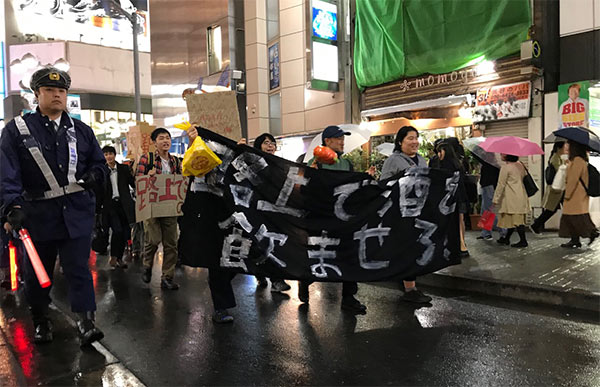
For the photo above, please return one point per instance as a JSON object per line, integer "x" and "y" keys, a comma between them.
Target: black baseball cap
{"x": 333, "y": 131}
{"x": 51, "y": 77}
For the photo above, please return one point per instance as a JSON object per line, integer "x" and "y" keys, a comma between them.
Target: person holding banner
{"x": 49, "y": 165}
{"x": 164, "y": 229}
{"x": 267, "y": 143}
{"x": 333, "y": 138}
{"x": 406, "y": 146}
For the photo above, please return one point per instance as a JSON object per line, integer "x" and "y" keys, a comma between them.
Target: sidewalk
{"x": 544, "y": 272}
{"x": 11, "y": 373}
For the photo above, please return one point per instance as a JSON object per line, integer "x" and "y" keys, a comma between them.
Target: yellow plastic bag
{"x": 199, "y": 159}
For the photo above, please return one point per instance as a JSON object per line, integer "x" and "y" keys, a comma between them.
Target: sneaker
{"x": 303, "y": 292}
{"x": 416, "y": 296}
{"x": 571, "y": 244}
{"x": 167, "y": 283}
{"x": 520, "y": 244}
{"x": 261, "y": 282}
{"x": 535, "y": 230}
{"x": 147, "y": 275}
{"x": 43, "y": 332}
{"x": 351, "y": 304}
{"x": 88, "y": 333}
{"x": 222, "y": 316}
{"x": 279, "y": 286}
{"x": 486, "y": 237}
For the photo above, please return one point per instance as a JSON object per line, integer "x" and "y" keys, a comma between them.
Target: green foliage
{"x": 426, "y": 149}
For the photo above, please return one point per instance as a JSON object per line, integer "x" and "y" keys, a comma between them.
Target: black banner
{"x": 260, "y": 214}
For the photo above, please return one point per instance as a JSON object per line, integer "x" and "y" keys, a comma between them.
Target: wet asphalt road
{"x": 168, "y": 338}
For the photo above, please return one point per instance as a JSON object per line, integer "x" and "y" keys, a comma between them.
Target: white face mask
{"x": 564, "y": 157}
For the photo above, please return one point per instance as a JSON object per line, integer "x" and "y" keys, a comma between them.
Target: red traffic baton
{"x": 12, "y": 253}
{"x": 38, "y": 267}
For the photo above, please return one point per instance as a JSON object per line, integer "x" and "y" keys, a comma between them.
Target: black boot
{"x": 42, "y": 325}
{"x": 88, "y": 333}
{"x": 523, "y": 241}
{"x": 574, "y": 242}
{"x": 505, "y": 240}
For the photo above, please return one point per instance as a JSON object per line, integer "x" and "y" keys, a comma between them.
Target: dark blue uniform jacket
{"x": 69, "y": 216}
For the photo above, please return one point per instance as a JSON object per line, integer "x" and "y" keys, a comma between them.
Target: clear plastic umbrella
{"x": 356, "y": 139}
{"x": 387, "y": 148}
{"x": 472, "y": 144}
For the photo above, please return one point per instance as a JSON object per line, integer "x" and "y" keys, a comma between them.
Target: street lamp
{"x": 136, "y": 59}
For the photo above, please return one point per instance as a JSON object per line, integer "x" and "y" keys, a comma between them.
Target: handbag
{"x": 560, "y": 179}
{"x": 486, "y": 221}
{"x": 530, "y": 187}
{"x": 99, "y": 237}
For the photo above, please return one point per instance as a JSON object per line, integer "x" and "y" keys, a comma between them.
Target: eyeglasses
{"x": 269, "y": 143}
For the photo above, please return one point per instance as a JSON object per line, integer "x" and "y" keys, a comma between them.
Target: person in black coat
{"x": 116, "y": 206}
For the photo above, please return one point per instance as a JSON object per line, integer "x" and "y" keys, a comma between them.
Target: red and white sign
{"x": 503, "y": 102}
{"x": 159, "y": 196}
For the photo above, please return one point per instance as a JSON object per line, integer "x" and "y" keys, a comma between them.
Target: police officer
{"x": 49, "y": 164}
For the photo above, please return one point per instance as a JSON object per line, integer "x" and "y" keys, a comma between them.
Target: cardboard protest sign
{"x": 217, "y": 112}
{"x": 159, "y": 196}
{"x": 138, "y": 140}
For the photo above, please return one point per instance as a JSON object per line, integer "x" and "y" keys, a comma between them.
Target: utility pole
{"x": 136, "y": 58}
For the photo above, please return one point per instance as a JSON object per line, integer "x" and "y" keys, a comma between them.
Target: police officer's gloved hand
{"x": 88, "y": 180}
{"x": 16, "y": 218}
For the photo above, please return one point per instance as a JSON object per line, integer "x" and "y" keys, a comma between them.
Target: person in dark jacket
{"x": 50, "y": 164}
{"x": 267, "y": 143}
{"x": 116, "y": 205}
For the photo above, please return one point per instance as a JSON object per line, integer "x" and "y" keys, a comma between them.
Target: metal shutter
{"x": 518, "y": 127}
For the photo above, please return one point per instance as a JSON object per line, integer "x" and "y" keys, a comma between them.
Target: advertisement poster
{"x": 89, "y": 21}
{"x": 595, "y": 107}
{"x": 503, "y": 102}
{"x": 274, "y": 66}
{"x": 324, "y": 20}
{"x": 159, "y": 196}
{"x": 573, "y": 104}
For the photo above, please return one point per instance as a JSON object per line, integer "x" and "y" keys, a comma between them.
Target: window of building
{"x": 272, "y": 19}
{"x": 275, "y": 114}
{"x": 214, "y": 47}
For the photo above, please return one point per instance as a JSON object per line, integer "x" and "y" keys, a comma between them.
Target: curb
{"x": 572, "y": 298}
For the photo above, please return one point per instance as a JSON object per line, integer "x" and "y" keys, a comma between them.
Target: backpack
{"x": 549, "y": 174}
{"x": 593, "y": 188}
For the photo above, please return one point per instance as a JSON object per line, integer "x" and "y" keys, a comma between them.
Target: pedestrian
{"x": 552, "y": 198}
{"x": 164, "y": 229}
{"x": 513, "y": 200}
{"x": 488, "y": 180}
{"x": 448, "y": 159}
{"x": 405, "y": 156}
{"x": 267, "y": 143}
{"x": 575, "y": 221}
{"x": 49, "y": 165}
{"x": 333, "y": 137}
{"x": 116, "y": 206}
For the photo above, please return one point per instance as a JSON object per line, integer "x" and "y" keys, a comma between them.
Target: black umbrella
{"x": 580, "y": 135}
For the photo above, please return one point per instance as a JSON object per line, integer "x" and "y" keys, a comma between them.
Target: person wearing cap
{"x": 333, "y": 137}
{"x": 50, "y": 164}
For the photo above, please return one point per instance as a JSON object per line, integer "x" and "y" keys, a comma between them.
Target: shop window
{"x": 214, "y": 48}
{"x": 275, "y": 114}
{"x": 272, "y": 19}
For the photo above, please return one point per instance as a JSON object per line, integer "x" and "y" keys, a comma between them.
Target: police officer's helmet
{"x": 51, "y": 77}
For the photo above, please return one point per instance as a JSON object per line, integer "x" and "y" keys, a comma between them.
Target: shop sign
{"x": 461, "y": 76}
{"x": 502, "y": 102}
{"x": 595, "y": 108}
{"x": 573, "y": 104}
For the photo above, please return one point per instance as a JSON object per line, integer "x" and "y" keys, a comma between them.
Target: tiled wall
{"x": 302, "y": 109}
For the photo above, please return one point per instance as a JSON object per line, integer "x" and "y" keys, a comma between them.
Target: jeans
{"x": 487, "y": 195}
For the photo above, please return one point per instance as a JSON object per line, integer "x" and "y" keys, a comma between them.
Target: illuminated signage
{"x": 323, "y": 43}
{"x": 324, "y": 20}
{"x": 91, "y": 22}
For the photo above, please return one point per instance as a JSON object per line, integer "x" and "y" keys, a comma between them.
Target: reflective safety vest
{"x": 33, "y": 148}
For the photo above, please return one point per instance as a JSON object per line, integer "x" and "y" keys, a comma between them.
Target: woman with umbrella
{"x": 510, "y": 192}
{"x": 552, "y": 197}
{"x": 576, "y": 222}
